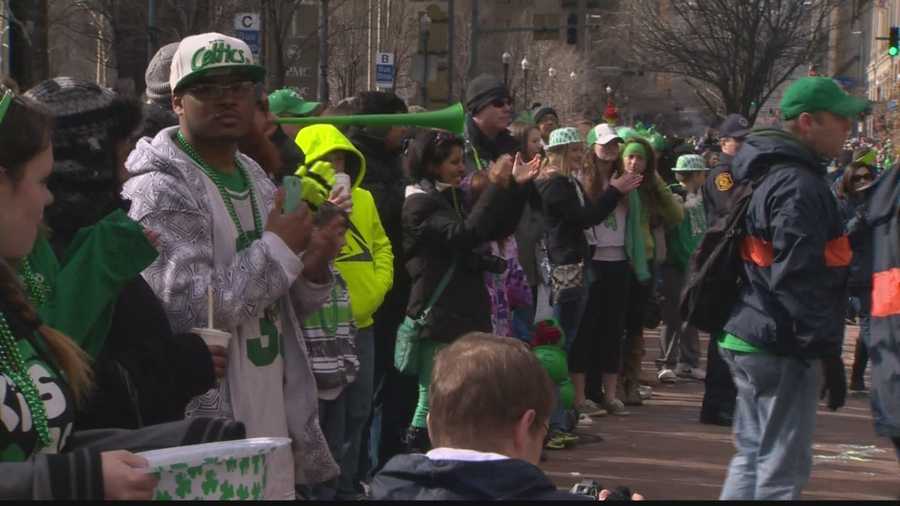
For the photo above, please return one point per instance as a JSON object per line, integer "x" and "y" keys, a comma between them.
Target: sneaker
{"x": 688, "y": 372}
{"x": 615, "y": 407}
{"x": 645, "y": 392}
{"x": 568, "y": 438}
{"x": 666, "y": 375}
{"x": 584, "y": 420}
{"x": 590, "y": 408}
{"x": 555, "y": 441}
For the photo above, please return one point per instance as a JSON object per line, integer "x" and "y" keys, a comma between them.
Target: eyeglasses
{"x": 501, "y": 102}
{"x": 210, "y": 91}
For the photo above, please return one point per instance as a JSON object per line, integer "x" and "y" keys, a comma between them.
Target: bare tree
{"x": 741, "y": 50}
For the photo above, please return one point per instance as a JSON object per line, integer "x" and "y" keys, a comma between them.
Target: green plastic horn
{"x": 4, "y": 104}
{"x": 451, "y": 118}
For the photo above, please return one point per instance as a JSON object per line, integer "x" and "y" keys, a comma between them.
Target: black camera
{"x": 487, "y": 263}
{"x": 592, "y": 488}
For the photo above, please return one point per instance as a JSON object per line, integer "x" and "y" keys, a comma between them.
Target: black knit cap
{"x": 82, "y": 111}
{"x": 541, "y": 111}
{"x": 483, "y": 90}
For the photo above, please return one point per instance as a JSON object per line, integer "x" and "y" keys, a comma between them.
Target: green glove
{"x": 318, "y": 180}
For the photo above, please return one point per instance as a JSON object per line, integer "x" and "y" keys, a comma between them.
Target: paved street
{"x": 662, "y": 451}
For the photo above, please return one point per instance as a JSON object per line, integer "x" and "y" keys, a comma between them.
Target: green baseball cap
{"x": 814, "y": 94}
{"x": 286, "y": 102}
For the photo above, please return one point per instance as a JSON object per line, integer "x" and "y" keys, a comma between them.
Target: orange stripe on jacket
{"x": 760, "y": 252}
{"x": 886, "y": 293}
{"x": 838, "y": 252}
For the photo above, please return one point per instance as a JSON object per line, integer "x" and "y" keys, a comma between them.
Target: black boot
{"x": 416, "y": 440}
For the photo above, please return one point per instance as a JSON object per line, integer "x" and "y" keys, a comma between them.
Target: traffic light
{"x": 894, "y": 42}
{"x": 572, "y": 29}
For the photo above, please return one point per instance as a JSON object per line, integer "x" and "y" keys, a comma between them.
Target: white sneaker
{"x": 645, "y": 392}
{"x": 686, "y": 371}
{"x": 584, "y": 420}
{"x": 667, "y": 375}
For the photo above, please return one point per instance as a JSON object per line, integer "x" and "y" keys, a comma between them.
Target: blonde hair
{"x": 71, "y": 359}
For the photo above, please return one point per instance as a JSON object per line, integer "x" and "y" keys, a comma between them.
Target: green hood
{"x": 317, "y": 141}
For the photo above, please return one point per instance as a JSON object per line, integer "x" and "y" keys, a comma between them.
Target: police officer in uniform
{"x": 719, "y": 397}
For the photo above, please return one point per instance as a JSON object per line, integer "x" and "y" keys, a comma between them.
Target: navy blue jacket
{"x": 794, "y": 279}
{"x": 416, "y": 477}
{"x": 717, "y": 189}
{"x": 884, "y": 340}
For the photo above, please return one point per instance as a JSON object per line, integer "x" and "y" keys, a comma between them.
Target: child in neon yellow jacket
{"x": 367, "y": 264}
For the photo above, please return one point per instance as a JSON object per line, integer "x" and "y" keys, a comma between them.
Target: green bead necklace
{"x": 244, "y": 238}
{"x": 35, "y": 284}
{"x": 14, "y": 369}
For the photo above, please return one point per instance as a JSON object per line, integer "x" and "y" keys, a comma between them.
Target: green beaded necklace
{"x": 13, "y": 366}
{"x": 38, "y": 290}
{"x": 244, "y": 238}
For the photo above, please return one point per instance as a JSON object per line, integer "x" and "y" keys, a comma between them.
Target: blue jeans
{"x": 773, "y": 425}
{"x": 568, "y": 310}
{"x": 344, "y": 419}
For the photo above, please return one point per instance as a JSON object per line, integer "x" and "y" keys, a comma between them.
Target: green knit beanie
{"x": 634, "y": 148}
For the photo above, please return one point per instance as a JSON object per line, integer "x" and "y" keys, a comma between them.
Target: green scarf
{"x": 634, "y": 238}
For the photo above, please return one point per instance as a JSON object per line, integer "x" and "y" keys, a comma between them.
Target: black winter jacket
{"x": 884, "y": 340}
{"x": 853, "y": 211}
{"x": 566, "y": 218}
{"x": 416, "y": 477}
{"x": 717, "y": 189}
{"x": 434, "y": 233}
{"x": 793, "y": 296}
{"x": 485, "y": 150}
{"x": 145, "y": 374}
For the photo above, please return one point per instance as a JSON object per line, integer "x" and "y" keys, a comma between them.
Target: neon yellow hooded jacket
{"x": 366, "y": 262}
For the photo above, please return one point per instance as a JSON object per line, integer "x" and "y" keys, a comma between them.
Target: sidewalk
{"x": 662, "y": 451}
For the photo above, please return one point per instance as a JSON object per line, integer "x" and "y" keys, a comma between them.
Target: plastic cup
{"x": 213, "y": 337}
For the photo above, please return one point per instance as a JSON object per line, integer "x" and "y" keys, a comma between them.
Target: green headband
{"x": 4, "y": 104}
{"x": 634, "y": 148}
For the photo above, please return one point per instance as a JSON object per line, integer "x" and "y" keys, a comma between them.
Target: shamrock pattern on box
{"x": 226, "y": 478}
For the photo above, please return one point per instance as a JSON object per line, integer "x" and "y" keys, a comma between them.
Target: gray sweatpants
{"x": 688, "y": 351}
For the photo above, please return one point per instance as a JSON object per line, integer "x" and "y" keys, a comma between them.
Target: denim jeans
{"x": 773, "y": 425}
{"x": 568, "y": 310}
{"x": 344, "y": 420}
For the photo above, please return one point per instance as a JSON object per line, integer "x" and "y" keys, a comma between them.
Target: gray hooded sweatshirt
{"x": 258, "y": 294}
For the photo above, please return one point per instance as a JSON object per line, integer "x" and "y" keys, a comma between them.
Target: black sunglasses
{"x": 865, "y": 176}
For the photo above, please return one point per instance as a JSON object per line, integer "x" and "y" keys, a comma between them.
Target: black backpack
{"x": 713, "y": 281}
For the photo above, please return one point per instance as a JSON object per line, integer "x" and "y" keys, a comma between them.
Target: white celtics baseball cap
{"x": 211, "y": 54}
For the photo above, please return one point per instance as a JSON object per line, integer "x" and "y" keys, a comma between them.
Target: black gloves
{"x": 835, "y": 382}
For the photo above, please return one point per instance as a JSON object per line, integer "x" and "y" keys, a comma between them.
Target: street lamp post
{"x": 525, "y": 67}
{"x": 424, "y": 25}
{"x": 506, "y": 58}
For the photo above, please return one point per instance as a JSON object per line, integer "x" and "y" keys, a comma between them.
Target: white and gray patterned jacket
{"x": 172, "y": 196}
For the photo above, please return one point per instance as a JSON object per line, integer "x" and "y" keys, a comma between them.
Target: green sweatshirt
{"x": 683, "y": 239}
{"x": 366, "y": 262}
{"x": 100, "y": 261}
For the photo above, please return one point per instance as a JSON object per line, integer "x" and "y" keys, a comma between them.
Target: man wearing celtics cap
{"x": 222, "y": 231}
{"x": 787, "y": 327}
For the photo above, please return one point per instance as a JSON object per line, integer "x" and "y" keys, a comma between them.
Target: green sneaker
{"x": 555, "y": 441}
